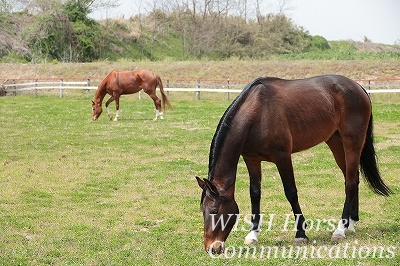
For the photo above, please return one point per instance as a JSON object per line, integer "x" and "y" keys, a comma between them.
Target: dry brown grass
{"x": 245, "y": 70}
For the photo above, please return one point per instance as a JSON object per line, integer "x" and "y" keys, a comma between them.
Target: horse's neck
{"x": 225, "y": 166}
{"x": 100, "y": 94}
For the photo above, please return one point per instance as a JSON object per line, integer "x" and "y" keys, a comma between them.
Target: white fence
{"x": 15, "y": 87}
{"x": 35, "y": 86}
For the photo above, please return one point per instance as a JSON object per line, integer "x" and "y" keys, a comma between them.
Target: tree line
{"x": 180, "y": 30}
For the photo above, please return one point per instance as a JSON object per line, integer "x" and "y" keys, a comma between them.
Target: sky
{"x": 378, "y": 20}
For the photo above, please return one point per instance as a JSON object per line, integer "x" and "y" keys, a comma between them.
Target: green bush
{"x": 317, "y": 43}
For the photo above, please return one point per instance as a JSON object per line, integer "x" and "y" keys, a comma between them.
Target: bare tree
{"x": 104, "y": 4}
{"x": 284, "y": 5}
{"x": 13, "y": 5}
{"x": 6, "y": 5}
{"x": 35, "y": 6}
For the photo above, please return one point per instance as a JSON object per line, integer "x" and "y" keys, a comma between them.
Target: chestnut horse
{"x": 117, "y": 83}
{"x": 273, "y": 118}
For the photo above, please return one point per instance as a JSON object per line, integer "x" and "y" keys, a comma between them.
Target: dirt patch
{"x": 192, "y": 70}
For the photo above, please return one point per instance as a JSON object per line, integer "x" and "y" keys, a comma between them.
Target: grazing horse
{"x": 273, "y": 118}
{"x": 117, "y": 83}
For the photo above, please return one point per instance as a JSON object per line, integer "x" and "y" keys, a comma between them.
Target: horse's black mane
{"x": 224, "y": 124}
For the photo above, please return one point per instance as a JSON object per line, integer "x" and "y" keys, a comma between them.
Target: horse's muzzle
{"x": 216, "y": 247}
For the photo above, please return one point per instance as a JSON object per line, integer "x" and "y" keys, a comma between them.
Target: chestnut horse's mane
{"x": 224, "y": 124}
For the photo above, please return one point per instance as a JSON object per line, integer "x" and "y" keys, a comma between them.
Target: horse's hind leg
{"x": 157, "y": 104}
{"x": 107, "y": 108}
{"x": 351, "y": 174}
{"x": 118, "y": 112}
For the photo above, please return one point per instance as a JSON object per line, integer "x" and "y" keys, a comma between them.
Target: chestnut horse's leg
{"x": 284, "y": 164}
{"x": 254, "y": 169}
{"x": 108, "y": 109}
{"x": 157, "y": 103}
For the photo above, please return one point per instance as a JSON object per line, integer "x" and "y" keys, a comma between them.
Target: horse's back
{"x": 298, "y": 114}
{"x": 320, "y": 93}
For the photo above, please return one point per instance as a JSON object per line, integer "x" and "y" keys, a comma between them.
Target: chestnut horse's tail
{"x": 369, "y": 167}
{"x": 165, "y": 100}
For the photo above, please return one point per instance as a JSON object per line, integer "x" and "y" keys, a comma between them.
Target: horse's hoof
{"x": 250, "y": 241}
{"x": 251, "y": 238}
{"x": 298, "y": 241}
{"x": 338, "y": 238}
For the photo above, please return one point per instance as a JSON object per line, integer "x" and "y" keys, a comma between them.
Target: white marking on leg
{"x": 340, "y": 230}
{"x": 252, "y": 237}
{"x": 351, "y": 226}
{"x": 109, "y": 113}
{"x": 157, "y": 114}
{"x": 339, "y": 233}
{"x": 117, "y": 115}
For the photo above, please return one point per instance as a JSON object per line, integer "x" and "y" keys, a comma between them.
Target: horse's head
{"x": 96, "y": 110}
{"x": 220, "y": 215}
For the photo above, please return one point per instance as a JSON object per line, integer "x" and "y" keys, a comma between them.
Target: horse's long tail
{"x": 165, "y": 100}
{"x": 369, "y": 167}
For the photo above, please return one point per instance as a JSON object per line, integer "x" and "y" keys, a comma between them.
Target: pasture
{"x": 78, "y": 192}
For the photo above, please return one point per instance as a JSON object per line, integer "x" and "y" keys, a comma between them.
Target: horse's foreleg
{"x": 108, "y": 109}
{"x": 254, "y": 168}
{"x": 285, "y": 168}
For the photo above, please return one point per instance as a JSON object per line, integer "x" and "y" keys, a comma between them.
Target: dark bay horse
{"x": 117, "y": 83}
{"x": 273, "y": 118}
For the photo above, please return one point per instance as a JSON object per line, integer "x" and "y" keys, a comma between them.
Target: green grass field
{"x": 78, "y": 192}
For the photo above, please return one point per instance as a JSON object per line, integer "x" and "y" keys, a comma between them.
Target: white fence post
{"x": 168, "y": 87}
{"x": 15, "y": 89}
{"x": 228, "y": 91}
{"x": 87, "y": 86}
{"x": 36, "y": 90}
{"x": 198, "y": 92}
{"x": 61, "y": 88}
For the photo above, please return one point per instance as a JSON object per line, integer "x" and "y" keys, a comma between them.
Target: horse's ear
{"x": 213, "y": 189}
{"x": 207, "y": 183}
{"x": 200, "y": 182}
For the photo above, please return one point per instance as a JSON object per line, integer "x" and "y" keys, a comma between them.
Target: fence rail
{"x": 196, "y": 86}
